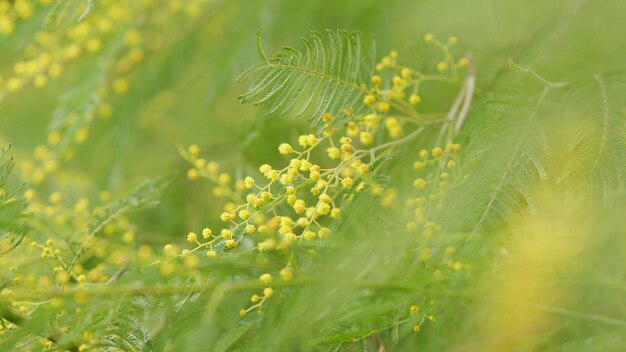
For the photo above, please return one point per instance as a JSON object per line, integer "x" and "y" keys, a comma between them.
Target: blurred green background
{"x": 185, "y": 92}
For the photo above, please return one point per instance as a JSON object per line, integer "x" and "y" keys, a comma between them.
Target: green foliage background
{"x": 543, "y": 164}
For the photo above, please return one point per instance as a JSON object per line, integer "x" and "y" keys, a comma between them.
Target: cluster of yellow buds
{"x": 58, "y": 215}
{"x": 60, "y": 233}
{"x": 258, "y": 300}
{"x": 394, "y": 97}
{"x": 441, "y": 169}
{"x": 119, "y": 35}
{"x": 12, "y": 12}
{"x": 285, "y": 189}
{"x": 419, "y": 317}
{"x": 279, "y": 207}
{"x": 93, "y": 31}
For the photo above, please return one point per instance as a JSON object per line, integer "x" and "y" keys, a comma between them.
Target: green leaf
{"x": 142, "y": 197}
{"x": 12, "y": 222}
{"x": 327, "y": 78}
{"x": 227, "y": 340}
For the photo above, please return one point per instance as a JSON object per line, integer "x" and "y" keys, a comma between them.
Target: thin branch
{"x": 605, "y": 120}
{"x": 534, "y": 75}
{"x": 470, "y": 83}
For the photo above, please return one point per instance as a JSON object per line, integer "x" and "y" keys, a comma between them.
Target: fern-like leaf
{"x": 12, "y": 224}
{"x": 327, "y": 78}
{"x": 142, "y": 197}
{"x": 128, "y": 333}
{"x": 513, "y": 160}
{"x": 597, "y": 138}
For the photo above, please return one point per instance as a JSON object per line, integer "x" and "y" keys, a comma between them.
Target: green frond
{"x": 516, "y": 168}
{"x": 12, "y": 223}
{"x": 596, "y": 138}
{"x": 143, "y": 196}
{"x": 236, "y": 333}
{"x": 78, "y": 105}
{"x": 327, "y": 77}
{"x": 128, "y": 333}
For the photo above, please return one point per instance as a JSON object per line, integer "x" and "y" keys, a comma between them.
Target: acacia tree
{"x": 440, "y": 197}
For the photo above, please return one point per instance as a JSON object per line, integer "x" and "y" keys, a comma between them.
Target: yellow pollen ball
{"x": 309, "y": 235}
{"x": 81, "y": 135}
{"x": 366, "y": 138}
{"x": 226, "y": 234}
{"x": 347, "y": 182}
{"x": 415, "y": 99}
{"x": 323, "y": 232}
{"x": 7, "y": 24}
{"x": 55, "y": 70}
{"x": 333, "y": 152}
{"x": 93, "y": 45}
{"x": 383, "y": 106}
{"x": 120, "y": 86}
{"x": 132, "y": 37}
{"x": 193, "y": 174}
{"x": 55, "y": 197}
{"x": 40, "y": 81}
{"x": 105, "y": 110}
{"x": 437, "y": 152}
{"x": 369, "y": 100}
{"x": 266, "y": 279}
{"x": 248, "y": 182}
{"x": 14, "y": 84}
{"x": 286, "y": 274}
{"x": 285, "y": 149}
{"x": 54, "y": 138}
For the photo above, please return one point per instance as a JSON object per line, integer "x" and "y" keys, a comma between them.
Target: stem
{"x": 534, "y": 75}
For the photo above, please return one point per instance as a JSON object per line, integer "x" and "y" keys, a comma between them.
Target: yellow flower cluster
{"x": 115, "y": 35}
{"x": 395, "y": 94}
{"x": 103, "y": 256}
{"x": 97, "y": 29}
{"x": 62, "y": 214}
{"x": 13, "y": 12}
{"x": 416, "y": 313}
{"x": 306, "y": 193}
{"x": 268, "y": 292}
{"x": 440, "y": 170}
{"x": 443, "y": 167}
{"x": 279, "y": 207}
{"x": 49, "y": 274}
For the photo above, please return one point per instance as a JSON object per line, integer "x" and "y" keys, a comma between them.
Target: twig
{"x": 470, "y": 84}
{"x": 458, "y": 112}
{"x": 534, "y": 75}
